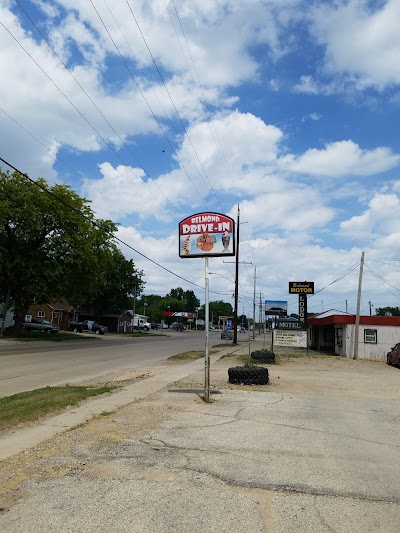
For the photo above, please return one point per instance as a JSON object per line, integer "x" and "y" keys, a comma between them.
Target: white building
{"x": 334, "y": 332}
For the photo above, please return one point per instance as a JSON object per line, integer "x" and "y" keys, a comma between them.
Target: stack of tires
{"x": 248, "y": 375}
{"x": 263, "y": 356}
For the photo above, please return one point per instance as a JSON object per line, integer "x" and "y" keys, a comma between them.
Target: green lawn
{"x": 32, "y": 405}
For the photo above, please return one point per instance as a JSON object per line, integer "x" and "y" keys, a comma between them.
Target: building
{"x": 60, "y": 313}
{"x": 334, "y": 332}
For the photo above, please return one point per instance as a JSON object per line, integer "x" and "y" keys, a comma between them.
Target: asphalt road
{"x": 28, "y": 366}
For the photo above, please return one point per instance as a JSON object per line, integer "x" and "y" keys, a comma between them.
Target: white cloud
{"x": 307, "y": 85}
{"x": 343, "y": 158}
{"x": 362, "y": 43}
{"x": 377, "y": 222}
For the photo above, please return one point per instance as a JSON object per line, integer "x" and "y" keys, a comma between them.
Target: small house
{"x": 60, "y": 313}
{"x": 335, "y": 332}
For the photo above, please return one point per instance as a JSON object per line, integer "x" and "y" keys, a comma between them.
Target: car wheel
{"x": 388, "y": 361}
{"x": 97, "y": 332}
{"x": 75, "y": 330}
{"x": 48, "y": 331}
{"x": 145, "y": 328}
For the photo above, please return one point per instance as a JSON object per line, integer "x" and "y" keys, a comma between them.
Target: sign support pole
{"x": 207, "y": 322}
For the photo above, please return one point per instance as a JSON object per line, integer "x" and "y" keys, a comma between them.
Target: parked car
{"x": 154, "y": 325}
{"x": 227, "y": 334}
{"x": 41, "y": 324}
{"x": 163, "y": 326}
{"x": 88, "y": 325}
{"x": 393, "y": 357}
{"x": 178, "y": 326}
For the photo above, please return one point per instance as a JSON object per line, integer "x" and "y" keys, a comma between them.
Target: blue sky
{"x": 156, "y": 110}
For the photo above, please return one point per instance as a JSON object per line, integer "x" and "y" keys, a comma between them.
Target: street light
{"x": 144, "y": 307}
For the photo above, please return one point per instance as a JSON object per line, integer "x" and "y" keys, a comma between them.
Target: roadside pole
{"x": 207, "y": 319}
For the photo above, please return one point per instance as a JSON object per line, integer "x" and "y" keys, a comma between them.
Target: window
{"x": 41, "y": 314}
{"x": 28, "y": 318}
{"x": 370, "y": 336}
{"x": 55, "y": 314}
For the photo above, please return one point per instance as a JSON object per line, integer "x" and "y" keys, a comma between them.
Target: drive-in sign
{"x": 207, "y": 235}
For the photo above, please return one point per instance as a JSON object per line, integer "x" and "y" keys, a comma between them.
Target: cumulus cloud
{"x": 343, "y": 158}
{"x": 362, "y": 42}
{"x": 380, "y": 219}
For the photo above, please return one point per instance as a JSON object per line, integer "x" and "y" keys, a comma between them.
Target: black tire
{"x": 248, "y": 375}
{"x": 145, "y": 328}
{"x": 263, "y": 356}
{"x": 48, "y": 331}
{"x": 388, "y": 361}
{"x": 76, "y": 330}
{"x": 97, "y": 332}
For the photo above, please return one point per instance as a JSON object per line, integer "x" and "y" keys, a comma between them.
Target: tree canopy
{"x": 52, "y": 247}
{"x": 391, "y": 311}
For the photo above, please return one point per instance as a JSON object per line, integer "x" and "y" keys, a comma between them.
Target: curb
{"x": 25, "y": 438}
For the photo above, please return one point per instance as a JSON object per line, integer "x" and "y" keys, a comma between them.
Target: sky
{"x": 155, "y": 110}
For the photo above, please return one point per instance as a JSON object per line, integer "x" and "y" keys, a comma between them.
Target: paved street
{"x": 27, "y": 366}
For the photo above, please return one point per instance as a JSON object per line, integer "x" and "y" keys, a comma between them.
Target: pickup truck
{"x": 41, "y": 324}
{"x": 88, "y": 325}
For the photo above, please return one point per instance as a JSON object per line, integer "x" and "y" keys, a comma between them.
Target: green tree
{"x": 180, "y": 300}
{"x": 383, "y": 311}
{"x": 51, "y": 245}
{"x": 217, "y": 308}
{"x": 121, "y": 280}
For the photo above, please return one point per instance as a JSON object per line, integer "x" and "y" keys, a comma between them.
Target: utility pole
{"x": 357, "y": 325}
{"x": 260, "y": 318}
{"x": 370, "y": 308}
{"x": 254, "y": 304}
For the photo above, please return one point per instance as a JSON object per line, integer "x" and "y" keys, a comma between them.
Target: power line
{"x": 98, "y": 226}
{"x": 148, "y": 105}
{"x": 98, "y": 109}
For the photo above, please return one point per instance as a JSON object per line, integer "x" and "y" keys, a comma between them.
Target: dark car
{"x": 154, "y": 325}
{"x": 227, "y": 334}
{"x": 393, "y": 357}
{"x": 41, "y": 324}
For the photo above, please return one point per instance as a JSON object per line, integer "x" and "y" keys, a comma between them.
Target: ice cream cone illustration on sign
{"x": 225, "y": 241}
{"x": 186, "y": 246}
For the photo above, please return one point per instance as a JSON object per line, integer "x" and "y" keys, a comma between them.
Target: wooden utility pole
{"x": 254, "y": 304}
{"x": 357, "y": 325}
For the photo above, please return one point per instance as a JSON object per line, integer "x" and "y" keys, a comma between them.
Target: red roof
{"x": 351, "y": 319}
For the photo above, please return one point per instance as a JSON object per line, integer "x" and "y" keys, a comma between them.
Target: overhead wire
{"x": 203, "y": 100}
{"x": 123, "y": 143}
{"x": 84, "y": 118}
{"x": 93, "y": 222}
{"x": 147, "y": 103}
{"x": 172, "y": 101}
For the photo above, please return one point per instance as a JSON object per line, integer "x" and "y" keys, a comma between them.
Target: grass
{"x": 26, "y": 336}
{"x": 189, "y": 356}
{"x": 32, "y": 405}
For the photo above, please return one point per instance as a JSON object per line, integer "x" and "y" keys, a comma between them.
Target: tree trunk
{"x": 6, "y": 304}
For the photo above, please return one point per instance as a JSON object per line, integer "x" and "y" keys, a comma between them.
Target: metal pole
{"x": 235, "y": 312}
{"x": 355, "y": 356}
{"x": 207, "y": 319}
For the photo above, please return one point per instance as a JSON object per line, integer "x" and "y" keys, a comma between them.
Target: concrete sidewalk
{"x": 25, "y": 438}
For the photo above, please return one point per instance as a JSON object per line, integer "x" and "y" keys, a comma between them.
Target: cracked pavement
{"x": 256, "y": 459}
